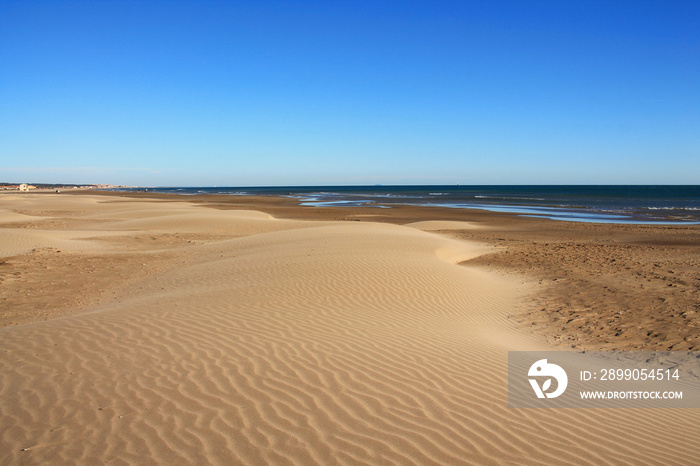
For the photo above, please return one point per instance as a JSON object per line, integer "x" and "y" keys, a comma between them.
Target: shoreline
{"x": 617, "y": 204}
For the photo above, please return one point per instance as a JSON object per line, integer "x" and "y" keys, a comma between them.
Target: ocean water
{"x": 652, "y": 204}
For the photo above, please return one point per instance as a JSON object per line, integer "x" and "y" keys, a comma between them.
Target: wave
{"x": 694, "y": 209}
{"x": 510, "y": 198}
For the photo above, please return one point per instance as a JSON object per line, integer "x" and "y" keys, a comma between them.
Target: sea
{"x": 640, "y": 204}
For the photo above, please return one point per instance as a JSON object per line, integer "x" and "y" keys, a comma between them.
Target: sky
{"x": 264, "y": 93}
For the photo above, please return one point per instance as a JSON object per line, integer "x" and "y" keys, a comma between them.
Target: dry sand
{"x": 148, "y": 330}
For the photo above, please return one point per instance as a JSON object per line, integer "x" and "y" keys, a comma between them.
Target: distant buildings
{"x": 24, "y": 187}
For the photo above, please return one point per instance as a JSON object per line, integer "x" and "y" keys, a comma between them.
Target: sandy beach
{"x": 157, "y": 329}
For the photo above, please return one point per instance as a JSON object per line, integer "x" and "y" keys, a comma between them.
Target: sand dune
{"x": 278, "y": 342}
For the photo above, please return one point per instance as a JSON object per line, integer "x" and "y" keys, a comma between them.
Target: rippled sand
{"x": 264, "y": 341}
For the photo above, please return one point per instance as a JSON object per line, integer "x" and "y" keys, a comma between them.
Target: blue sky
{"x": 226, "y": 93}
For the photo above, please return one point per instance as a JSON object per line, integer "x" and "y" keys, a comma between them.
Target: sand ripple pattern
{"x": 331, "y": 344}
